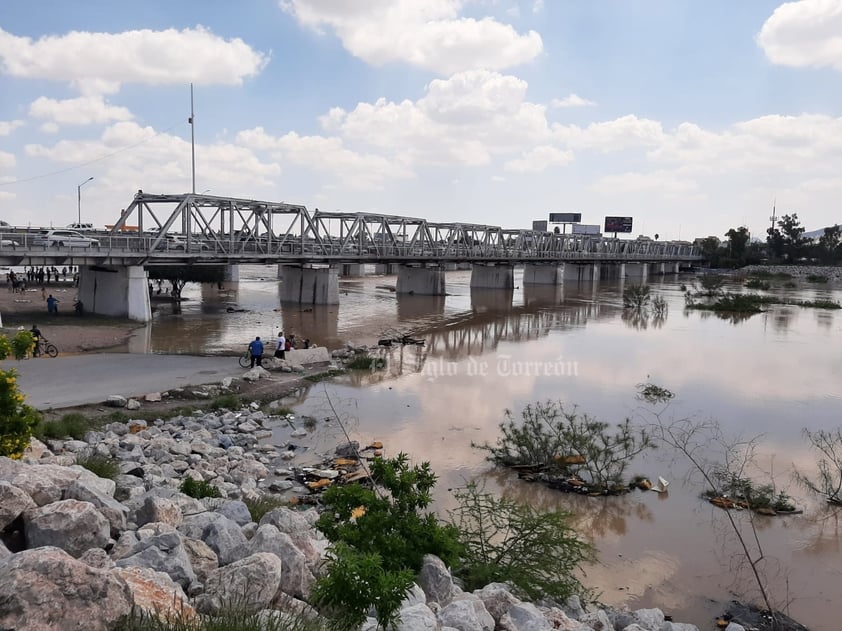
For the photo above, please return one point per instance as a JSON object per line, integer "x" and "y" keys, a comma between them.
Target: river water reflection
{"x": 772, "y": 374}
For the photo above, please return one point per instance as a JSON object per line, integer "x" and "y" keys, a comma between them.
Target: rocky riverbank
{"x": 798, "y": 272}
{"x": 79, "y": 551}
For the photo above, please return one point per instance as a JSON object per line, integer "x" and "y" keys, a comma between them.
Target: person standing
{"x": 280, "y": 346}
{"x": 52, "y": 304}
{"x": 256, "y": 350}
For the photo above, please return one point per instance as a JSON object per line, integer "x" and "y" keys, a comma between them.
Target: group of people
{"x": 18, "y": 281}
{"x": 282, "y": 345}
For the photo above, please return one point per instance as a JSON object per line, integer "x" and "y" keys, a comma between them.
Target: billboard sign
{"x": 565, "y": 217}
{"x": 586, "y": 229}
{"x": 618, "y": 224}
{"x": 539, "y": 226}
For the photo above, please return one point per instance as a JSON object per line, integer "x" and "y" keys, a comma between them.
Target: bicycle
{"x": 245, "y": 359}
{"x": 45, "y": 347}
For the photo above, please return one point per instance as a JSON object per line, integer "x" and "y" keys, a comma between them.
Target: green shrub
{"x": 198, "y": 489}
{"x": 767, "y": 274}
{"x": 262, "y": 505}
{"x": 817, "y": 278}
{"x": 17, "y": 420}
{"x": 227, "y": 401}
{"x": 570, "y": 443}
{"x": 756, "y": 283}
{"x": 236, "y": 617}
{"x": 73, "y": 425}
{"x": 380, "y": 536}
{"x": 366, "y": 362}
{"x": 118, "y": 416}
{"x": 327, "y": 374}
{"x": 98, "y": 464}
{"x": 636, "y": 296}
{"x": 504, "y": 541}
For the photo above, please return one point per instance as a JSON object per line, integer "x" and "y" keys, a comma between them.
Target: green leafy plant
{"x": 568, "y": 442}
{"x": 504, "y": 541}
{"x": 198, "y": 489}
{"x": 817, "y": 278}
{"x": 382, "y": 534}
{"x": 258, "y": 507}
{"x": 366, "y": 362}
{"x": 227, "y": 401}
{"x": 17, "y": 420}
{"x": 756, "y": 283}
{"x": 636, "y": 296}
{"x": 232, "y": 617}
{"x": 828, "y": 445}
{"x": 72, "y": 425}
{"x": 358, "y": 581}
{"x": 99, "y": 464}
{"x": 711, "y": 284}
{"x": 327, "y": 374}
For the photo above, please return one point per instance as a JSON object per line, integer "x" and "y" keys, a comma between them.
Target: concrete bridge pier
{"x": 120, "y": 292}
{"x": 310, "y": 285}
{"x": 636, "y": 271}
{"x": 537, "y": 274}
{"x": 610, "y": 271}
{"x": 579, "y": 272}
{"x": 231, "y": 274}
{"x": 676, "y": 268}
{"x": 547, "y": 295}
{"x": 492, "y": 276}
{"x": 353, "y": 270}
{"x": 420, "y": 280}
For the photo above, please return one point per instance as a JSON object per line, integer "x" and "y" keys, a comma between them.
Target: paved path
{"x": 71, "y": 380}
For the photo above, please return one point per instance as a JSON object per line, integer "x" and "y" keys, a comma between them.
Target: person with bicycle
{"x": 256, "y": 350}
{"x": 36, "y": 334}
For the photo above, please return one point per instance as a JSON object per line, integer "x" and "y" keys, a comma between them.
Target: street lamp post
{"x": 79, "y": 200}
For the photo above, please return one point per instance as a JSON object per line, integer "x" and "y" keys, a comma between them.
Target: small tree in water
{"x": 564, "y": 441}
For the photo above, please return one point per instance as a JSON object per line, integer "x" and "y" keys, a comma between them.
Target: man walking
{"x": 256, "y": 350}
{"x": 52, "y": 304}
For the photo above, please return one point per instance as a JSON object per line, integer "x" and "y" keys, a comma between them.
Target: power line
{"x": 82, "y": 164}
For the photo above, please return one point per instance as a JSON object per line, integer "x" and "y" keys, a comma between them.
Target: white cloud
{"x": 7, "y": 160}
{"x": 6, "y": 195}
{"x": 804, "y": 33}
{"x": 326, "y": 155}
{"x": 429, "y": 34}
{"x": 537, "y": 6}
{"x": 7, "y": 127}
{"x": 573, "y": 100}
{"x": 664, "y": 183}
{"x": 466, "y": 120}
{"x": 615, "y": 135}
{"x": 805, "y": 144}
{"x": 538, "y": 159}
{"x": 83, "y": 110}
{"x": 156, "y": 162}
{"x": 97, "y": 63}
{"x": 50, "y": 127}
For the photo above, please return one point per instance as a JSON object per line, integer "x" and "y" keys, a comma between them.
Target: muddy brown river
{"x": 771, "y": 375}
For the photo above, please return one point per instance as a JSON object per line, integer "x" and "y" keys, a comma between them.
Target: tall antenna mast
{"x": 774, "y": 216}
{"x": 192, "y": 140}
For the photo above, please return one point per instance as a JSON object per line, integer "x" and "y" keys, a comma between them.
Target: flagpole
{"x": 192, "y": 140}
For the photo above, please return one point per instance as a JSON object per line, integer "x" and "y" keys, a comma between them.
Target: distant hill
{"x": 814, "y": 234}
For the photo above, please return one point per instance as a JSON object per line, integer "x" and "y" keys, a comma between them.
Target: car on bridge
{"x": 64, "y": 238}
{"x": 179, "y": 242}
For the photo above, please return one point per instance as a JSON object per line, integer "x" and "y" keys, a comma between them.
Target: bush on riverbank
{"x": 17, "y": 420}
{"x": 99, "y": 464}
{"x": 507, "y": 542}
{"x": 752, "y": 303}
{"x": 380, "y": 537}
{"x": 230, "y": 618}
{"x": 199, "y": 489}
{"x": 567, "y": 444}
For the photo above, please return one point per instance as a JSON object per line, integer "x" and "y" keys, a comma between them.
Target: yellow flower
{"x": 358, "y": 512}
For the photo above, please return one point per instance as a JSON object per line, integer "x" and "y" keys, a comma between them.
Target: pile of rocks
{"x": 79, "y": 551}
{"x": 833, "y": 273}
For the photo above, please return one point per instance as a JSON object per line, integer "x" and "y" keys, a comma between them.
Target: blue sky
{"x": 692, "y": 117}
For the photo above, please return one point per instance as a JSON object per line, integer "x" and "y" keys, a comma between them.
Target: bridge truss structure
{"x": 244, "y": 229}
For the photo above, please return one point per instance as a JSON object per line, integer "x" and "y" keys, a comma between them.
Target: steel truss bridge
{"x": 225, "y": 230}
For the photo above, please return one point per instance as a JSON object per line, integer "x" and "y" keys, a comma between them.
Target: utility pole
{"x": 192, "y": 139}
